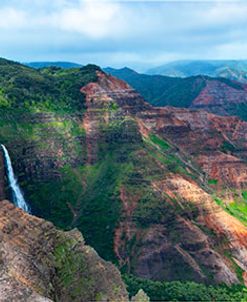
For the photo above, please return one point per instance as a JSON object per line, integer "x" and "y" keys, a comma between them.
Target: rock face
{"x": 40, "y": 263}
{"x": 185, "y": 235}
{"x": 212, "y": 216}
{"x": 140, "y": 297}
{"x": 218, "y": 144}
{"x": 220, "y": 98}
{"x": 103, "y": 99}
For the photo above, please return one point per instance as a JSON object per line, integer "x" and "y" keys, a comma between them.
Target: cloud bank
{"x": 136, "y": 33}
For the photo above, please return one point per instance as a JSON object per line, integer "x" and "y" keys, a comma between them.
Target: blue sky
{"x": 139, "y": 34}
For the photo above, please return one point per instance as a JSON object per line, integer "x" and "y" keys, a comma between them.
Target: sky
{"x": 138, "y": 34}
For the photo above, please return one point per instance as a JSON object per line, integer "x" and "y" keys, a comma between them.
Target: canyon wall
{"x": 41, "y": 263}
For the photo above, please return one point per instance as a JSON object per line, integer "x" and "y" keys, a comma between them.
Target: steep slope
{"x": 40, "y": 124}
{"x": 117, "y": 171}
{"x": 230, "y": 69}
{"x": 40, "y": 263}
{"x": 216, "y": 95}
{"x": 160, "y": 90}
{"x": 218, "y": 144}
{"x": 159, "y": 207}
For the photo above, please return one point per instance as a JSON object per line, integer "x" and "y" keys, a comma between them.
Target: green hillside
{"x": 161, "y": 90}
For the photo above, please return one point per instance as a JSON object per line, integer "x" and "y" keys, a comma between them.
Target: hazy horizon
{"x": 135, "y": 69}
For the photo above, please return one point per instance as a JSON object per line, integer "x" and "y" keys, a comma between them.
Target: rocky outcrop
{"x": 210, "y": 215}
{"x": 220, "y": 98}
{"x": 107, "y": 100}
{"x": 40, "y": 263}
{"x": 141, "y": 296}
{"x": 217, "y": 144}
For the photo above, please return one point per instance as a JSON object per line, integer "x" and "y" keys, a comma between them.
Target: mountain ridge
{"x": 231, "y": 69}
{"x": 217, "y": 95}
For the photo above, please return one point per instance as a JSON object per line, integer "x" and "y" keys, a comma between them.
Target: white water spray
{"x": 18, "y": 197}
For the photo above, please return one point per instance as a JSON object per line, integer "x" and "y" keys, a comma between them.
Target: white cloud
{"x": 122, "y": 32}
{"x": 12, "y": 18}
{"x": 94, "y": 19}
{"x": 221, "y": 12}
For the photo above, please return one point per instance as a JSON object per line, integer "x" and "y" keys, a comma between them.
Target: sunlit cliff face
{"x": 191, "y": 134}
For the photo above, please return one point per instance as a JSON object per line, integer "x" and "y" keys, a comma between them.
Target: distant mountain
{"x": 218, "y": 95}
{"x": 65, "y": 65}
{"x": 161, "y": 90}
{"x": 230, "y": 69}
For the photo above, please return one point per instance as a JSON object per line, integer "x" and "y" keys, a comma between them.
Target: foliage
{"x": 212, "y": 181}
{"x": 240, "y": 110}
{"x": 168, "y": 91}
{"x": 236, "y": 208}
{"x": 227, "y": 147}
{"x": 71, "y": 270}
{"x": 239, "y": 210}
{"x": 49, "y": 89}
{"x": 151, "y": 209}
{"x": 244, "y": 195}
{"x": 160, "y": 142}
{"x": 185, "y": 291}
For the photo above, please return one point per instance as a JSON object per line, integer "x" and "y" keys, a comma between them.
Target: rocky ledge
{"x": 39, "y": 263}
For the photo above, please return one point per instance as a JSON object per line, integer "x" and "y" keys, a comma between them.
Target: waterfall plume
{"x": 17, "y": 195}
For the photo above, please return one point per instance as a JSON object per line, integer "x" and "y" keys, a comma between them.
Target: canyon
{"x": 176, "y": 189}
{"x": 159, "y": 191}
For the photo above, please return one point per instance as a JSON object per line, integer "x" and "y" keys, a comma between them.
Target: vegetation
{"x": 72, "y": 266}
{"x": 212, "y": 181}
{"x": 240, "y": 110}
{"x": 50, "y": 89}
{"x": 40, "y": 123}
{"x": 167, "y": 91}
{"x": 160, "y": 142}
{"x": 161, "y": 90}
{"x": 161, "y": 151}
{"x": 239, "y": 210}
{"x": 227, "y": 147}
{"x": 185, "y": 291}
{"x": 236, "y": 208}
{"x": 92, "y": 207}
{"x": 151, "y": 210}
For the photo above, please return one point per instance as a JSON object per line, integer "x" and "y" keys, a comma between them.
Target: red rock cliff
{"x": 40, "y": 263}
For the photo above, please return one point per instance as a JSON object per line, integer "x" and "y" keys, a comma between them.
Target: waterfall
{"x": 18, "y": 198}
